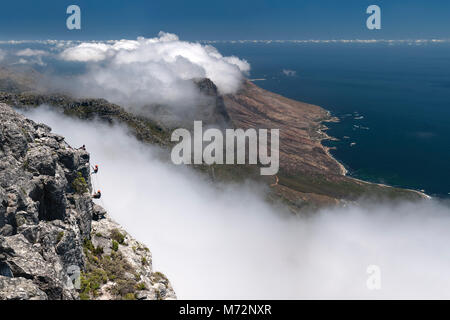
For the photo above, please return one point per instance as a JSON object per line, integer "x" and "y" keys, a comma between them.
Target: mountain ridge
{"x": 309, "y": 178}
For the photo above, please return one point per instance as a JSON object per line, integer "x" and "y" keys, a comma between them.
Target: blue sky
{"x": 225, "y": 20}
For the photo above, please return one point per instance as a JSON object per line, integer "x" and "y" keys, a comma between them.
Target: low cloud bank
{"x": 229, "y": 243}
{"x": 132, "y": 73}
{"x": 31, "y": 53}
{"x": 151, "y": 71}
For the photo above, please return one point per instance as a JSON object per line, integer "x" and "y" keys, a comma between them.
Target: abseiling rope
{"x": 96, "y": 183}
{"x": 93, "y": 184}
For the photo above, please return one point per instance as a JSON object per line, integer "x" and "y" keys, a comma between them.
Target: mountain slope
{"x": 308, "y": 172}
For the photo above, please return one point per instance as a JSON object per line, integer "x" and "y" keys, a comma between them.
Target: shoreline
{"x": 344, "y": 171}
{"x": 322, "y": 131}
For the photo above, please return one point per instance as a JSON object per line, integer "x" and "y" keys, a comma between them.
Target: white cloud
{"x": 156, "y": 70}
{"x": 37, "y": 60}
{"x": 227, "y": 242}
{"x": 86, "y": 52}
{"x": 22, "y": 61}
{"x": 31, "y": 53}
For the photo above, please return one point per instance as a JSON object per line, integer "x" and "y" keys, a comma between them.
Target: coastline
{"x": 344, "y": 170}
{"x": 326, "y": 136}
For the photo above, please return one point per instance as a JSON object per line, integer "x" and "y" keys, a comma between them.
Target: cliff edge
{"x": 55, "y": 243}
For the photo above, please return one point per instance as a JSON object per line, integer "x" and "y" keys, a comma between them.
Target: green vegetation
{"x": 101, "y": 268}
{"x": 341, "y": 187}
{"x": 26, "y": 164}
{"x": 158, "y": 294}
{"x": 84, "y": 296}
{"x": 129, "y": 296}
{"x": 159, "y": 277}
{"x": 96, "y": 251}
{"x": 91, "y": 282}
{"x": 82, "y": 112}
{"x": 114, "y": 245}
{"x": 141, "y": 286}
{"x": 117, "y": 236}
{"x": 59, "y": 236}
{"x": 144, "y": 261}
{"x": 79, "y": 184}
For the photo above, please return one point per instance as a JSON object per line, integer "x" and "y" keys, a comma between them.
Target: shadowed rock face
{"x": 217, "y": 113}
{"x": 46, "y": 217}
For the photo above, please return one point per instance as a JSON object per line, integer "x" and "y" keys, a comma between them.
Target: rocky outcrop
{"x": 212, "y": 111}
{"x": 118, "y": 266}
{"x": 48, "y": 227}
{"x": 20, "y": 289}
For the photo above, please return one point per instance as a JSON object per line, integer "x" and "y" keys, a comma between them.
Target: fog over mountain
{"x": 146, "y": 71}
{"x": 135, "y": 74}
{"x": 226, "y": 242}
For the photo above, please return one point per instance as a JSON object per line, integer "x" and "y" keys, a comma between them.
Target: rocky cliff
{"x": 55, "y": 243}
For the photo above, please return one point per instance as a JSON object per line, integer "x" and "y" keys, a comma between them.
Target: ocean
{"x": 393, "y": 102}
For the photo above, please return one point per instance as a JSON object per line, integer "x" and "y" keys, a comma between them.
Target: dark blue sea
{"x": 393, "y": 102}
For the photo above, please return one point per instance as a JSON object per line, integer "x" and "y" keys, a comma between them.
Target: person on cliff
{"x": 97, "y": 195}
{"x": 95, "y": 169}
{"x": 83, "y": 147}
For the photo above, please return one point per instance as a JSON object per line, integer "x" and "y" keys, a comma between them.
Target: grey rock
{"x": 43, "y": 220}
{"x": 20, "y": 289}
{"x": 98, "y": 212}
{"x": 6, "y": 230}
{"x": 137, "y": 256}
{"x": 47, "y": 218}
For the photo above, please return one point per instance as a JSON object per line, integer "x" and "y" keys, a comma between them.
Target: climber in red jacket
{"x": 95, "y": 169}
{"x": 97, "y": 195}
